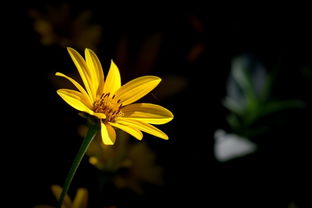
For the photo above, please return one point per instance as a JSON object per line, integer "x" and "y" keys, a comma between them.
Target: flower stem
{"x": 93, "y": 128}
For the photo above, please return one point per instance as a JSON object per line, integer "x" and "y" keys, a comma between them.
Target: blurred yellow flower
{"x": 131, "y": 164}
{"x": 80, "y": 200}
{"x": 140, "y": 168}
{"x": 112, "y": 103}
{"x": 58, "y": 26}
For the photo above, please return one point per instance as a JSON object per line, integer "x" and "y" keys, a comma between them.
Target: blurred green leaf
{"x": 248, "y": 98}
{"x": 233, "y": 106}
{"x": 276, "y": 106}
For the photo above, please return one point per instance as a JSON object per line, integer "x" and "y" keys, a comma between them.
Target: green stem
{"x": 83, "y": 148}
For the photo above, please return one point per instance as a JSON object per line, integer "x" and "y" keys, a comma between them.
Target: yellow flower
{"x": 80, "y": 200}
{"x": 112, "y": 103}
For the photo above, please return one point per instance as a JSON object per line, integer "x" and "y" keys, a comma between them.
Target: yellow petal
{"x": 57, "y": 190}
{"x": 74, "y": 99}
{"x": 78, "y": 86}
{"x": 96, "y": 71}
{"x": 98, "y": 115}
{"x": 83, "y": 72}
{"x": 129, "y": 129}
{"x": 145, "y": 127}
{"x": 136, "y": 89}
{"x": 81, "y": 199}
{"x": 113, "y": 81}
{"x": 108, "y": 134}
{"x": 147, "y": 112}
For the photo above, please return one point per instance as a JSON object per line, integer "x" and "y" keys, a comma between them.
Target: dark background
{"x": 40, "y": 133}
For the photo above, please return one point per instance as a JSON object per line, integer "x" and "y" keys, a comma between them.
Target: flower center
{"x": 109, "y": 106}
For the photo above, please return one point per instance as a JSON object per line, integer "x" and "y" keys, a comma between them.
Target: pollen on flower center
{"x": 108, "y": 106}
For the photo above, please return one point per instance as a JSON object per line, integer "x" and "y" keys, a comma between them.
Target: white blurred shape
{"x": 230, "y": 146}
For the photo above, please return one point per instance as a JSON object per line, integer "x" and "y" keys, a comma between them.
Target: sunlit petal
{"x": 83, "y": 72}
{"x": 96, "y": 71}
{"x": 147, "y": 112}
{"x": 129, "y": 129}
{"x": 145, "y": 127}
{"x": 113, "y": 81}
{"x": 99, "y": 115}
{"x": 108, "y": 134}
{"x": 74, "y": 99}
{"x": 136, "y": 89}
{"x": 78, "y": 86}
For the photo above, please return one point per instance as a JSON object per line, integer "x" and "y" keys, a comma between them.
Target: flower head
{"x": 113, "y": 103}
